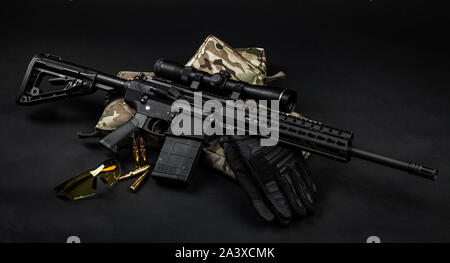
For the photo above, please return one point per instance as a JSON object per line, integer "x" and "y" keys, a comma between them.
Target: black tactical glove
{"x": 276, "y": 178}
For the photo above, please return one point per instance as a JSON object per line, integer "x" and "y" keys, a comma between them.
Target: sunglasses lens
{"x": 79, "y": 187}
{"x": 111, "y": 173}
{"x": 85, "y": 184}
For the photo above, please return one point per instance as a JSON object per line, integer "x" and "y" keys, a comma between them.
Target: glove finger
{"x": 308, "y": 175}
{"x": 247, "y": 183}
{"x": 265, "y": 177}
{"x": 290, "y": 190}
{"x": 281, "y": 158}
{"x": 305, "y": 188}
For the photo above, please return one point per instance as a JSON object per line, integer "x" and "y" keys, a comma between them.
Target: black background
{"x": 374, "y": 67}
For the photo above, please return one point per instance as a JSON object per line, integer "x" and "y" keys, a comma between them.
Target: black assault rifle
{"x": 152, "y": 97}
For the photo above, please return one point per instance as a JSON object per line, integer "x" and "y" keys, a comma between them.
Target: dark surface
{"x": 368, "y": 66}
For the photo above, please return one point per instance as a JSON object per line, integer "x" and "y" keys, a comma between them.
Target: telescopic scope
{"x": 186, "y": 75}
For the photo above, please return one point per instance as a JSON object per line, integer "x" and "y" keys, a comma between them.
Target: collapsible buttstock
{"x": 48, "y": 78}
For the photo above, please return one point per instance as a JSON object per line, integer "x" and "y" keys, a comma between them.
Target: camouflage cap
{"x": 244, "y": 64}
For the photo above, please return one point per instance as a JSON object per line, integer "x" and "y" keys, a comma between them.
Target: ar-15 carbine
{"x": 152, "y": 98}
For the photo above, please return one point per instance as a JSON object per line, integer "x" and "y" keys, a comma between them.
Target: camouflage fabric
{"x": 132, "y": 74}
{"x": 214, "y": 156}
{"x": 244, "y": 64}
{"x": 116, "y": 113}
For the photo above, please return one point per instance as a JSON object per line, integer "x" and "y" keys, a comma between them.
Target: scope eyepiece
{"x": 185, "y": 75}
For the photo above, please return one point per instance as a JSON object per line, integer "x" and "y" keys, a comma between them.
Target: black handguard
{"x": 277, "y": 179}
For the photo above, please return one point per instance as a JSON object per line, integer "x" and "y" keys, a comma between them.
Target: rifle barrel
{"x": 413, "y": 168}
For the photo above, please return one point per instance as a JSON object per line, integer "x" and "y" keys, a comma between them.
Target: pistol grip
{"x": 112, "y": 140}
